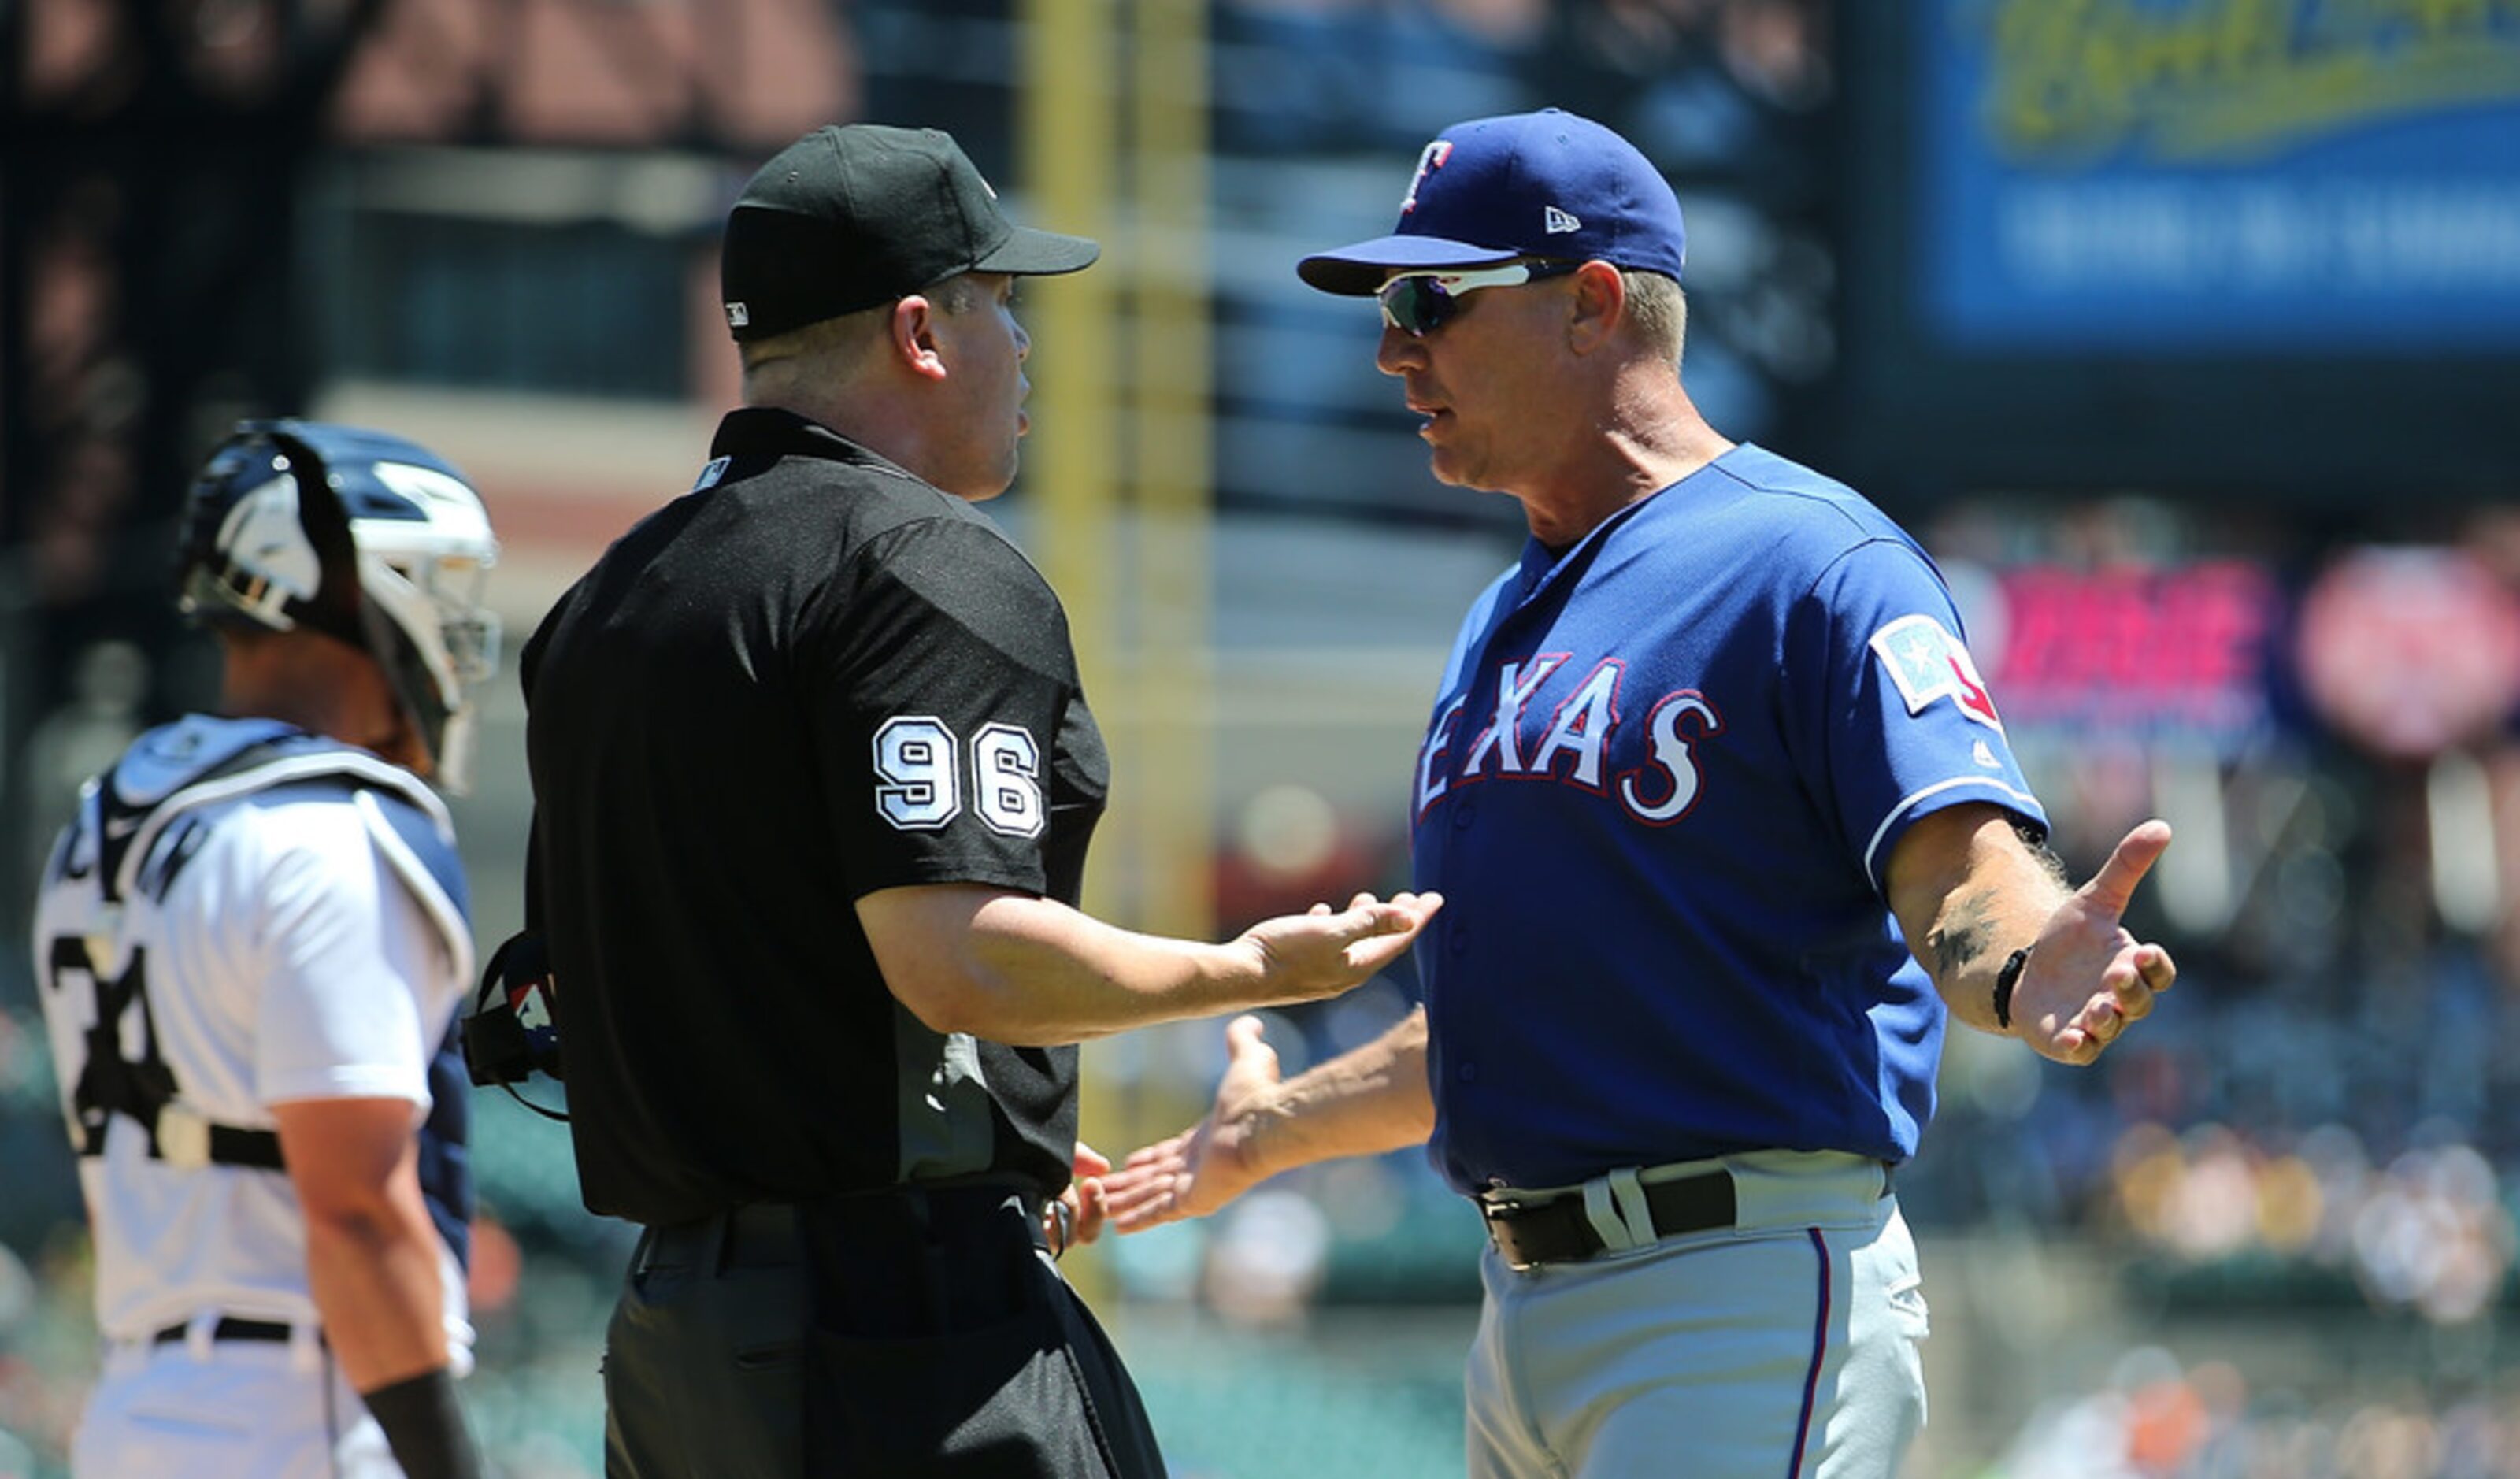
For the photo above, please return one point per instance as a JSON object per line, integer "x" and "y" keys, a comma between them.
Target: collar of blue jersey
{"x": 1544, "y": 565}
{"x": 1541, "y": 564}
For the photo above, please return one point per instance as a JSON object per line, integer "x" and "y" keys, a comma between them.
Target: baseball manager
{"x": 1730, "y": 830}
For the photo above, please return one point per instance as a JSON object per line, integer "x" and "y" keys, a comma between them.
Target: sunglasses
{"x": 1420, "y": 302}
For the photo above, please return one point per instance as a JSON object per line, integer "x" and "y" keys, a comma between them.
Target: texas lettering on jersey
{"x": 1573, "y": 745}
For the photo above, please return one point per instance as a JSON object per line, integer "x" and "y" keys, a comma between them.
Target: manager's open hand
{"x": 1075, "y": 1217}
{"x": 2088, "y": 980}
{"x": 1210, "y": 1163}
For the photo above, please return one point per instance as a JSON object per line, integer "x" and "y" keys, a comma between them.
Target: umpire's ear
{"x": 913, "y": 336}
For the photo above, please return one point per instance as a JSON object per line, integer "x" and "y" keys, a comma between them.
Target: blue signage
{"x": 2221, "y": 176}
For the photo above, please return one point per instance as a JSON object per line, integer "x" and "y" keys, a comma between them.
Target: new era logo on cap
{"x": 737, "y": 316}
{"x": 1546, "y": 184}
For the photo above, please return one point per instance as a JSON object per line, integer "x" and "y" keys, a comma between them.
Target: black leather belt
{"x": 228, "y": 1327}
{"x": 1557, "y": 1230}
{"x": 760, "y": 1235}
{"x": 766, "y": 1235}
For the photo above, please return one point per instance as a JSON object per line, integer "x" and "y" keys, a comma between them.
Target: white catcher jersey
{"x": 289, "y": 944}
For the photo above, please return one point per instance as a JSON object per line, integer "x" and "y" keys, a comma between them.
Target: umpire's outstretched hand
{"x": 2088, "y": 979}
{"x": 1306, "y": 957}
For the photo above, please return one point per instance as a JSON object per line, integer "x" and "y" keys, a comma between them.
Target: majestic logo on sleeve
{"x": 1929, "y": 663}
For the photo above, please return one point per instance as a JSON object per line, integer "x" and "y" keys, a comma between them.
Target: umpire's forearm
{"x": 1030, "y": 972}
{"x": 1047, "y": 974}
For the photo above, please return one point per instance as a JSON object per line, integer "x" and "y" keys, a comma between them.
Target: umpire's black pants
{"x": 917, "y": 1333}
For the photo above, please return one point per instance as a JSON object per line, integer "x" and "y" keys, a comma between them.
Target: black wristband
{"x": 2004, "y": 980}
{"x": 424, "y": 1426}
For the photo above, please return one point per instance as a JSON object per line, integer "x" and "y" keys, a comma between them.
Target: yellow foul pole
{"x": 1172, "y": 468}
{"x": 1066, "y": 143}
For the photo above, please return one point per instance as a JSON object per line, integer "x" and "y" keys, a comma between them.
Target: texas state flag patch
{"x": 1929, "y": 663}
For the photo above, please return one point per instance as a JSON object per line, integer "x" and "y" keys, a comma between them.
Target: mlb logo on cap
{"x": 1547, "y": 184}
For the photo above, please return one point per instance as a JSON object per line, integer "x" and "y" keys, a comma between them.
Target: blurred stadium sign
{"x": 2183, "y": 174}
{"x": 2180, "y": 651}
{"x": 2403, "y": 650}
{"x": 2254, "y": 252}
{"x": 2409, "y": 651}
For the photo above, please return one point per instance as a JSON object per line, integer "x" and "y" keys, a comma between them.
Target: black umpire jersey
{"x": 811, "y": 678}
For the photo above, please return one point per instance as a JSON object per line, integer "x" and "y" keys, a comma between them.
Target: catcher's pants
{"x": 227, "y": 1410}
{"x": 907, "y": 1335}
{"x": 1783, "y": 1347}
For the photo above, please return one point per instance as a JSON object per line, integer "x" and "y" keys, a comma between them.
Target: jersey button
{"x": 1462, "y": 810}
{"x": 1470, "y": 1072}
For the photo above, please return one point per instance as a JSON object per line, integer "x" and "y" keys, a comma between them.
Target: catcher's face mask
{"x": 363, "y": 536}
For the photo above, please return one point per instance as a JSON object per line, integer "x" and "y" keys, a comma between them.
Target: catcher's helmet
{"x": 362, "y": 536}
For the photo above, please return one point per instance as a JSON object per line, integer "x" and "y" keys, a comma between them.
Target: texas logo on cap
{"x": 1429, "y": 160}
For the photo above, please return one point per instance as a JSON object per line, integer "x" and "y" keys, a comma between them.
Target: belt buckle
{"x": 1500, "y": 1212}
{"x": 183, "y": 1136}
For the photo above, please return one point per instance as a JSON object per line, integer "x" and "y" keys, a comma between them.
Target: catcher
{"x": 252, "y": 941}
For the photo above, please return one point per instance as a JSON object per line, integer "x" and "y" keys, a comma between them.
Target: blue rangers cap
{"x": 1546, "y": 184}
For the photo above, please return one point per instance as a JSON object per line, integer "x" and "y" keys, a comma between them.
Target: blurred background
{"x": 2185, "y": 333}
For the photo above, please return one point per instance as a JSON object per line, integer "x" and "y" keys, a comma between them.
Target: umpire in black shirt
{"x": 813, "y": 780}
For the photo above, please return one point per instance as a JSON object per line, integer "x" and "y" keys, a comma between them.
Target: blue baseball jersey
{"x": 1659, "y": 791}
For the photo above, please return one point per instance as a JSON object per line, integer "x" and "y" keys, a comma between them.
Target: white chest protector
{"x": 244, "y": 915}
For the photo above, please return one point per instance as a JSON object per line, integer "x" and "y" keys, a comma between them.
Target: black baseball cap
{"x": 857, "y": 214}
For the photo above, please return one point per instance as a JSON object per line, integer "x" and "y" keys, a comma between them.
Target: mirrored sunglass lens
{"x": 1415, "y": 305}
